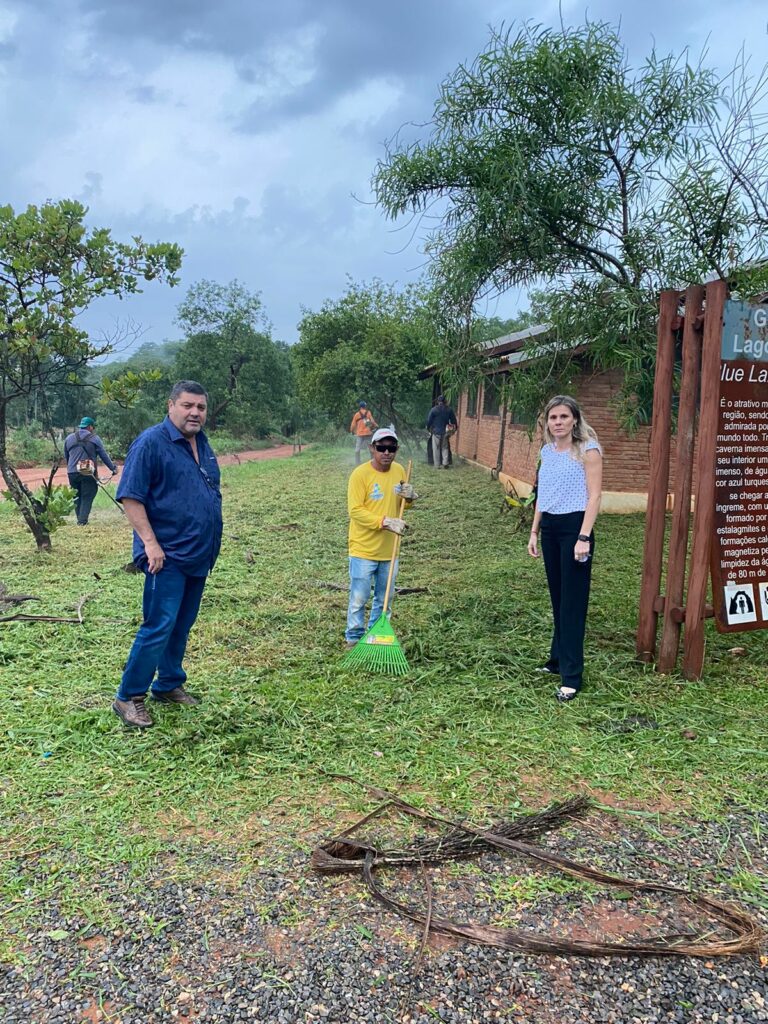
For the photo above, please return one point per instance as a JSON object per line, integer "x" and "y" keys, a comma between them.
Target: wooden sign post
{"x": 725, "y": 365}
{"x": 693, "y": 656}
{"x": 661, "y": 427}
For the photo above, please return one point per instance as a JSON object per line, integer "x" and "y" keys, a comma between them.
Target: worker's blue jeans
{"x": 364, "y": 574}
{"x": 85, "y": 488}
{"x": 170, "y": 606}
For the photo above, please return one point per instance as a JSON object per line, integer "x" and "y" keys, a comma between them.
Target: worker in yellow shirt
{"x": 373, "y": 499}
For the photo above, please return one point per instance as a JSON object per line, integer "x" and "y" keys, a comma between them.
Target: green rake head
{"x": 378, "y": 651}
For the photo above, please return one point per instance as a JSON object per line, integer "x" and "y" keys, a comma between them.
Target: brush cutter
{"x": 379, "y": 649}
{"x": 103, "y": 485}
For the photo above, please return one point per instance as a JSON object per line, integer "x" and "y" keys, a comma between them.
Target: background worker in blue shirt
{"x": 441, "y": 423}
{"x": 171, "y": 496}
{"x": 82, "y": 448}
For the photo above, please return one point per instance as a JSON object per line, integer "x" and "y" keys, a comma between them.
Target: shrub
{"x": 27, "y": 446}
{"x": 224, "y": 443}
{"x": 58, "y": 505}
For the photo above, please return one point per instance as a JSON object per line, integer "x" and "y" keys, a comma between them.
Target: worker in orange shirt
{"x": 362, "y": 426}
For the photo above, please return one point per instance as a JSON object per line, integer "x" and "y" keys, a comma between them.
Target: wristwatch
{"x": 584, "y": 537}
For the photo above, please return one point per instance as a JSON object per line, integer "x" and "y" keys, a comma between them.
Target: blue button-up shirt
{"x": 182, "y": 498}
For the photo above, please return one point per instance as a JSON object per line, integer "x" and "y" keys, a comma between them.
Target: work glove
{"x": 394, "y": 525}
{"x": 404, "y": 490}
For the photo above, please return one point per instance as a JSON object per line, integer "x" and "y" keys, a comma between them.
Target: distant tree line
{"x": 371, "y": 344}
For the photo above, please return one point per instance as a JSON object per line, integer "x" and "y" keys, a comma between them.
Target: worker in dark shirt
{"x": 171, "y": 496}
{"x": 441, "y": 423}
{"x": 82, "y": 450}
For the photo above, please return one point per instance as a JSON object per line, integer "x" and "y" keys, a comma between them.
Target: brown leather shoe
{"x": 349, "y": 644}
{"x": 133, "y": 713}
{"x": 178, "y": 695}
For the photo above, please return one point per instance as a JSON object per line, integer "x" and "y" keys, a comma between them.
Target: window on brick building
{"x": 519, "y": 417}
{"x": 472, "y": 400}
{"x": 492, "y": 395}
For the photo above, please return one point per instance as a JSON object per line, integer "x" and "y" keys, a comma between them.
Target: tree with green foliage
{"x": 370, "y": 344}
{"x": 52, "y": 267}
{"x": 552, "y": 162}
{"x": 152, "y": 363}
{"x": 228, "y": 347}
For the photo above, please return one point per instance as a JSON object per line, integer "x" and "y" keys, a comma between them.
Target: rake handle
{"x": 398, "y": 540}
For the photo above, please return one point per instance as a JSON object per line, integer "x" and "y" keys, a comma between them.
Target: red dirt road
{"x": 38, "y": 474}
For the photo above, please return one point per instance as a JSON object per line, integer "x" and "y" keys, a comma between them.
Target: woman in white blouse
{"x": 567, "y": 503}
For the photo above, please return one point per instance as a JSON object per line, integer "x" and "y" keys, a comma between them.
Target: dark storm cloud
{"x": 385, "y": 33}
{"x": 351, "y": 42}
{"x": 411, "y": 42}
{"x": 73, "y": 69}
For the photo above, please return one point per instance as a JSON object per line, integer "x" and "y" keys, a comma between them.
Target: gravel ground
{"x": 288, "y": 946}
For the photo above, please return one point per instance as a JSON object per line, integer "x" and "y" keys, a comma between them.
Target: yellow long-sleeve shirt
{"x": 370, "y": 497}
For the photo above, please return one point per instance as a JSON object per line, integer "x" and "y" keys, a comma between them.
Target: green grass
{"x": 526, "y": 890}
{"x": 471, "y": 726}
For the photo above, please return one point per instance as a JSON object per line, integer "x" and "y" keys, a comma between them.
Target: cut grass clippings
{"x": 472, "y": 727}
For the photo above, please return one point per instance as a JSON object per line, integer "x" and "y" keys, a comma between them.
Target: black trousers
{"x": 85, "y": 487}
{"x": 568, "y": 582}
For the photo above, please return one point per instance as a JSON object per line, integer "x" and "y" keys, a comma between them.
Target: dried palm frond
{"x": 460, "y": 840}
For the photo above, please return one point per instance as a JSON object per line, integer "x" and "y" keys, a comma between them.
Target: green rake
{"x": 379, "y": 649}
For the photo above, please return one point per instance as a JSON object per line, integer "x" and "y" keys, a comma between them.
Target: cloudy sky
{"x": 247, "y": 130}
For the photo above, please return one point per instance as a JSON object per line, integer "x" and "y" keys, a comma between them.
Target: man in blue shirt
{"x": 171, "y": 496}
{"x": 81, "y": 449}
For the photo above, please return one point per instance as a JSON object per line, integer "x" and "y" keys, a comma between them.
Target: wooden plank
{"x": 693, "y": 645}
{"x": 686, "y": 421}
{"x": 679, "y": 613}
{"x": 658, "y": 481}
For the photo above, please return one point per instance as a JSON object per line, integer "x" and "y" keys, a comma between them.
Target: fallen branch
{"x": 6, "y": 598}
{"x": 21, "y": 617}
{"x": 17, "y": 598}
{"x": 417, "y": 965}
{"x": 80, "y": 605}
{"x": 345, "y": 589}
{"x": 344, "y": 854}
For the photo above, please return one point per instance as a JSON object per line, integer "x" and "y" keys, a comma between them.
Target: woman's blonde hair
{"x": 582, "y": 432}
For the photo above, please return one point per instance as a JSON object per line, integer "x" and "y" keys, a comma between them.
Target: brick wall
{"x": 626, "y": 465}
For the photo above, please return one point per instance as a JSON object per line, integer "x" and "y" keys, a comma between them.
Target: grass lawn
{"x": 471, "y": 728}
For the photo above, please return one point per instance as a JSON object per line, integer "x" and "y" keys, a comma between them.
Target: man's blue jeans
{"x": 170, "y": 606}
{"x": 364, "y": 574}
{"x": 86, "y": 489}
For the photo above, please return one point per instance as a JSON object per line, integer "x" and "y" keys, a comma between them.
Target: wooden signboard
{"x": 739, "y": 550}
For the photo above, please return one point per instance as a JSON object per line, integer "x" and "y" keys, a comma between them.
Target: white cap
{"x": 383, "y": 432}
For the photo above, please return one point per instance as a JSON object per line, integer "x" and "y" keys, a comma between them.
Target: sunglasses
{"x": 385, "y": 447}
